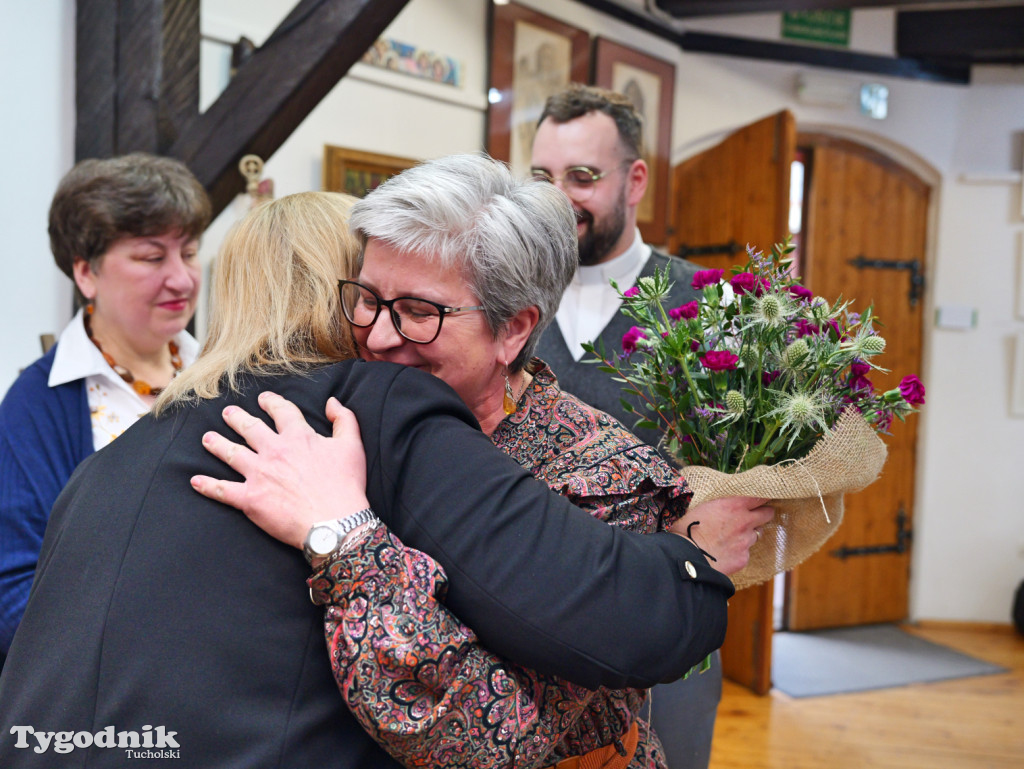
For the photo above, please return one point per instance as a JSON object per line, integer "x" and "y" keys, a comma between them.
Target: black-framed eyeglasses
{"x": 418, "y": 320}
{"x": 579, "y": 182}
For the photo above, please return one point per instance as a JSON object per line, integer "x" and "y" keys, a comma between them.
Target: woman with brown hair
{"x": 126, "y": 231}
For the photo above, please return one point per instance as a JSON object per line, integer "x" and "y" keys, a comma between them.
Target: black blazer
{"x": 153, "y": 606}
{"x": 595, "y": 387}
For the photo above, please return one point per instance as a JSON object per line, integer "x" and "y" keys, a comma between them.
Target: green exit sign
{"x": 829, "y": 27}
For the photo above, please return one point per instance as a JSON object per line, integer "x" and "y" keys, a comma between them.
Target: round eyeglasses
{"x": 578, "y": 182}
{"x": 415, "y": 319}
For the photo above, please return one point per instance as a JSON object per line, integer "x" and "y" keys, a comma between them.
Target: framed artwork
{"x": 650, "y": 84}
{"x": 532, "y": 57}
{"x": 357, "y": 172}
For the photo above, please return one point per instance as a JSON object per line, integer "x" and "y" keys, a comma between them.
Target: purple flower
{"x": 703, "y": 278}
{"x": 806, "y": 328}
{"x": 858, "y": 376}
{"x": 631, "y": 292}
{"x": 630, "y": 338}
{"x": 912, "y": 390}
{"x": 744, "y": 283}
{"x": 767, "y": 377}
{"x": 719, "y": 360}
{"x": 694, "y": 345}
{"x": 799, "y": 292}
{"x": 687, "y": 311}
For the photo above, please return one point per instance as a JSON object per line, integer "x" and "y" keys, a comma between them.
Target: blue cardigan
{"x": 44, "y": 433}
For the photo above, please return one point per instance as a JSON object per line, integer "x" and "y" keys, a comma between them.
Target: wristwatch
{"x": 326, "y": 537}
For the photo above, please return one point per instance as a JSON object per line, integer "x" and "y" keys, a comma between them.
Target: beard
{"x": 601, "y": 235}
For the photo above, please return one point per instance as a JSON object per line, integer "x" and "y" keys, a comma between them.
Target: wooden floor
{"x": 969, "y": 723}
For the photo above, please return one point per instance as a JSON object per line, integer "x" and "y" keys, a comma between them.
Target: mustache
{"x": 582, "y": 215}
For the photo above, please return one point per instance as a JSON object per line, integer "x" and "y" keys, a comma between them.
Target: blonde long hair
{"x": 275, "y": 306}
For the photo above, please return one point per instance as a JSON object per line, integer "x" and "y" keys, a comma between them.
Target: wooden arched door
{"x": 864, "y": 239}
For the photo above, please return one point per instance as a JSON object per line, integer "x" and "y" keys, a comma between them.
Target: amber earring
{"x": 509, "y": 402}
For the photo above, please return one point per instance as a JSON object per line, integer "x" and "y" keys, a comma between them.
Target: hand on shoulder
{"x": 294, "y": 477}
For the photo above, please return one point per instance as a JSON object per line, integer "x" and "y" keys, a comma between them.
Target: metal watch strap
{"x": 340, "y": 526}
{"x": 345, "y": 525}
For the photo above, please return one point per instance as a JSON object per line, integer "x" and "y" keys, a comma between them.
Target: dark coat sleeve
{"x": 540, "y": 581}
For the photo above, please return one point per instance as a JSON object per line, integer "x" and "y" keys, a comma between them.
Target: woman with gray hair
{"x": 468, "y": 264}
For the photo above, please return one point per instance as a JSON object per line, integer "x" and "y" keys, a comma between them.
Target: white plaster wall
{"x": 969, "y": 539}
{"x": 37, "y": 99}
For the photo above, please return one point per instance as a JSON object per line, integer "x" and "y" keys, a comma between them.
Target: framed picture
{"x": 650, "y": 84}
{"x": 532, "y": 57}
{"x": 357, "y": 172}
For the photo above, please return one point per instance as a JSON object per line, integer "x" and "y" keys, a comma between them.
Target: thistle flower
{"x": 749, "y": 356}
{"x": 801, "y": 410}
{"x": 770, "y": 310}
{"x": 795, "y": 354}
{"x": 735, "y": 403}
{"x": 871, "y": 345}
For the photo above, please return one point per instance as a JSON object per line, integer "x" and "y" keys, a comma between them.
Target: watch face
{"x": 322, "y": 540}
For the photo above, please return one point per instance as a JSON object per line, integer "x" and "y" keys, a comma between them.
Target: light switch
{"x": 959, "y": 317}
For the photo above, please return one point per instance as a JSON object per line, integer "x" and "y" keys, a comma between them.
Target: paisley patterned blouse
{"x": 418, "y": 680}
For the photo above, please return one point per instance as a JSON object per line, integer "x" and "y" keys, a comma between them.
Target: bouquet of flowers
{"x": 762, "y": 389}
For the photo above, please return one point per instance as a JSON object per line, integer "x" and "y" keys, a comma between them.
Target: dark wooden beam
{"x": 139, "y": 49}
{"x": 136, "y": 75}
{"x": 983, "y": 35}
{"x": 819, "y": 56}
{"x": 816, "y": 56}
{"x": 688, "y": 8}
{"x": 95, "y": 79}
{"x": 278, "y": 87}
{"x": 179, "y": 92}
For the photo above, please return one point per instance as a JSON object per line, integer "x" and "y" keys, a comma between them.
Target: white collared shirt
{"x": 590, "y": 303}
{"x": 113, "y": 405}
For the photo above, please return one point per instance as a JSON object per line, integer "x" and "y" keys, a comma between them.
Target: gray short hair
{"x": 516, "y": 240}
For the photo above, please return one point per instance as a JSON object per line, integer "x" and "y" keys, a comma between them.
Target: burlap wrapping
{"x": 807, "y": 495}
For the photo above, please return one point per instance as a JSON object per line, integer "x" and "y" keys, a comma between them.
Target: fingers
{"x": 234, "y": 455}
{"x": 286, "y": 415}
{"x": 253, "y": 430}
{"x": 762, "y": 515}
{"x": 228, "y": 492}
{"x": 343, "y": 419}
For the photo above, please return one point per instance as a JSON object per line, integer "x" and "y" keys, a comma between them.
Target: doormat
{"x": 857, "y": 659}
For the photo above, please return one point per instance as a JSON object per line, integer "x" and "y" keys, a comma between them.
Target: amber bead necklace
{"x": 140, "y": 386}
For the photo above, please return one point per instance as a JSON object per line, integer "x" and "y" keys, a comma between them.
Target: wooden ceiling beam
{"x": 982, "y": 36}
{"x": 278, "y": 87}
{"x": 137, "y": 81}
{"x": 689, "y": 8}
{"x": 136, "y": 74}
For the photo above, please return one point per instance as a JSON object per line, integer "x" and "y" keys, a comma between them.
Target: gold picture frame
{"x": 357, "y": 172}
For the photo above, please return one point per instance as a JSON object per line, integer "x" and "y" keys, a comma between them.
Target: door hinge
{"x": 731, "y": 247}
{"x": 912, "y": 265}
{"x": 902, "y": 544}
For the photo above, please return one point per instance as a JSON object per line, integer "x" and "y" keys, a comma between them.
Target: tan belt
{"x": 604, "y": 758}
